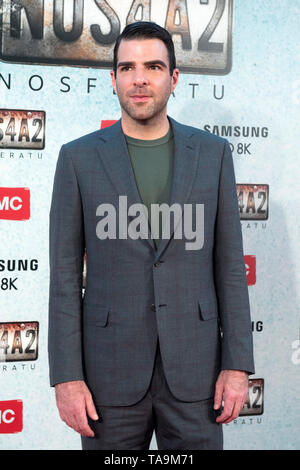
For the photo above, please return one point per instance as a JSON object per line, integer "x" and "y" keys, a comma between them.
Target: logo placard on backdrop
{"x": 84, "y": 32}
{"x": 22, "y": 129}
{"x": 253, "y": 201}
{"x": 19, "y": 341}
{"x": 15, "y": 203}
{"x": 11, "y": 416}
{"x": 250, "y": 265}
{"x": 254, "y": 404}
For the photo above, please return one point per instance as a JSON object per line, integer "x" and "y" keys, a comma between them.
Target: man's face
{"x": 143, "y": 82}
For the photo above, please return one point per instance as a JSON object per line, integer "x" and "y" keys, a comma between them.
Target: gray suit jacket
{"x": 195, "y": 301}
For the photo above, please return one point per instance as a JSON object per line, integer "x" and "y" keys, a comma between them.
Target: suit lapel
{"x": 186, "y": 157}
{"x": 115, "y": 156}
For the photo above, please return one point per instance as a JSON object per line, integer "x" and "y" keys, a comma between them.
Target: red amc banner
{"x": 14, "y": 203}
{"x": 11, "y": 416}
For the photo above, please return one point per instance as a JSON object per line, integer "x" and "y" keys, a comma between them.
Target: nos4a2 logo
{"x": 83, "y": 32}
{"x": 19, "y": 341}
{"x": 22, "y": 129}
{"x": 253, "y": 200}
{"x": 254, "y": 404}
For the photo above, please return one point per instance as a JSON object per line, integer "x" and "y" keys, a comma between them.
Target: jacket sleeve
{"x": 66, "y": 251}
{"x": 230, "y": 274}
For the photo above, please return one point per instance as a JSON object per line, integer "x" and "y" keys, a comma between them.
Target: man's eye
{"x": 126, "y": 67}
{"x": 155, "y": 67}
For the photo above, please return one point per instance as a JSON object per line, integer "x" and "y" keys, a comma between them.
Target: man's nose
{"x": 140, "y": 79}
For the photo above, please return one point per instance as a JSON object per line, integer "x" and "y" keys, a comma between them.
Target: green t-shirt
{"x": 152, "y": 162}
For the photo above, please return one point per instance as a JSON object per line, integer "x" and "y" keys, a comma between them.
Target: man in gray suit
{"x": 163, "y": 333}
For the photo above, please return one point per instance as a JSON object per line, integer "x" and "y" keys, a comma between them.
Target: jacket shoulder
{"x": 83, "y": 148}
{"x": 83, "y": 141}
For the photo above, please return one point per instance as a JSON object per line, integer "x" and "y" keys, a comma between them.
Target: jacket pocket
{"x": 94, "y": 314}
{"x": 207, "y": 310}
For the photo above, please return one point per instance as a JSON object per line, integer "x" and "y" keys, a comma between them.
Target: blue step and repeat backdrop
{"x": 239, "y": 64}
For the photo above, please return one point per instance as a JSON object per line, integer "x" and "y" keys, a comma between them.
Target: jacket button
{"x": 153, "y": 308}
{"x": 156, "y": 265}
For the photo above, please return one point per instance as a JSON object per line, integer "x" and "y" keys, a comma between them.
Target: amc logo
{"x": 250, "y": 265}
{"x": 14, "y": 203}
{"x": 11, "y": 416}
{"x": 107, "y": 123}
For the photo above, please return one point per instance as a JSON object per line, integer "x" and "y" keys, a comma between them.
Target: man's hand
{"x": 232, "y": 385}
{"x": 74, "y": 401}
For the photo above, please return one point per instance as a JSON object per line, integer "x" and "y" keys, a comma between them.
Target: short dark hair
{"x": 146, "y": 30}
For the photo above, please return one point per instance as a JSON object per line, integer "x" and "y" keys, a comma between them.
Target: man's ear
{"x": 175, "y": 79}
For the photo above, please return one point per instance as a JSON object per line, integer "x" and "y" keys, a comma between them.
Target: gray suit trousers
{"x": 178, "y": 425}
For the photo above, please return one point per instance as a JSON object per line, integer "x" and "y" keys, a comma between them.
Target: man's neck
{"x": 145, "y": 130}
